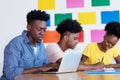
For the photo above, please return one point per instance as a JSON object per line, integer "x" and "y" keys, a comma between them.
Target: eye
{"x": 41, "y": 29}
{"x": 111, "y": 43}
{"x": 38, "y": 29}
{"x": 76, "y": 38}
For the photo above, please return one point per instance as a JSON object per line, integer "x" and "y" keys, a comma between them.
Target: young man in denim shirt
{"x": 26, "y": 53}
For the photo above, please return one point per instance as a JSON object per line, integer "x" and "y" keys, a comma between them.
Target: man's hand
{"x": 51, "y": 66}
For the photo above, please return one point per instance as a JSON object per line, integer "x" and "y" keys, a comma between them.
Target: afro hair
{"x": 68, "y": 25}
{"x": 36, "y": 15}
{"x": 113, "y": 28}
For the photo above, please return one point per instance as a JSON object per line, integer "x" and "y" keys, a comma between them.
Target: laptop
{"x": 69, "y": 63}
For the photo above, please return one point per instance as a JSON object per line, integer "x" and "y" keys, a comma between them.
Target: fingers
{"x": 53, "y": 65}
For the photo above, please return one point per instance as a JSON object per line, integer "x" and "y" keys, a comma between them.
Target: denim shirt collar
{"x": 24, "y": 34}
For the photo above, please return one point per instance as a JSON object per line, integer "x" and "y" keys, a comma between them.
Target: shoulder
{"x": 115, "y": 48}
{"x": 14, "y": 45}
{"x": 93, "y": 44}
{"x": 53, "y": 48}
{"x": 16, "y": 40}
{"x": 52, "y": 45}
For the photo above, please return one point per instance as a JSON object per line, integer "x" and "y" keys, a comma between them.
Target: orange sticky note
{"x": 51, "y": 36}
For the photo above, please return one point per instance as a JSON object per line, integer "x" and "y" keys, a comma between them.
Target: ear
{"x": 66, "y": 37}
{"x": 28, "y": 27}
{"x": 105, "y": 35}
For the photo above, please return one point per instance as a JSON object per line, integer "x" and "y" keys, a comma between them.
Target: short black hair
{"x": 36, "y": 15}
{"x": 113, "y": 28}
{"x": 68, "y": 25}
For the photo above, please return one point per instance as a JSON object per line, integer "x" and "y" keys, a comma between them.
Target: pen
{"x": 98, "y": 59}
{"x": 102, "y": 59}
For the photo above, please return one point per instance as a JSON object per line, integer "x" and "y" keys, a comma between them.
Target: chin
{"x": 39, "y": 40}
{"x": 72, "y": 47}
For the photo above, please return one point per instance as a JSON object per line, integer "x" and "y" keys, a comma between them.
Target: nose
{"x": 76, "y": 41}
{"x": 42, "y": 31}
{"x": 110, "y": 45}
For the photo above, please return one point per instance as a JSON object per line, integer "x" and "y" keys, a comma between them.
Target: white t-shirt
{"x": 54, "y": 52}
{"x": 35, "y": 49}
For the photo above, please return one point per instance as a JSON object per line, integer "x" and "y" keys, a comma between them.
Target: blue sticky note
{"x": 48, "y": 22}
{"x": 109, "y": 16}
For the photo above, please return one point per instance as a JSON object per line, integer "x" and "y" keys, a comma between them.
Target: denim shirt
{"x": 19, "y": 55}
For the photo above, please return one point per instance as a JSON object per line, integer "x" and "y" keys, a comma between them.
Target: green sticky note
{"x": 100, "y": 2}
{"x": 61, "y": 17}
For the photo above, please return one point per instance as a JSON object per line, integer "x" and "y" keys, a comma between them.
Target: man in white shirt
{"x": 69, "y": 31}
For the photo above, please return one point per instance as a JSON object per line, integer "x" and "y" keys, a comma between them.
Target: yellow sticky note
{"x": 87, "y": 18}
{"x": 46, "y": 4}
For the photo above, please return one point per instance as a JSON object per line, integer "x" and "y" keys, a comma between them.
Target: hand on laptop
{"x": 59, "y": 61}
{"x": 51, "y": 66}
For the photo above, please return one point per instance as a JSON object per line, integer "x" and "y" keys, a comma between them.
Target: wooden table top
{"x": 80, "y": 75}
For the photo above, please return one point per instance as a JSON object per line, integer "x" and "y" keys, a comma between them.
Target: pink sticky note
{"x": 75, "y": 3}
{"x": 97, "y": 35}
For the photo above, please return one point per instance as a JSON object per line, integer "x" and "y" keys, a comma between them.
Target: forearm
{"x": 96, "y": 66}
{"x": 31, "y": 70}
{"x": 35, "y": 70}
{"x": 113, "y": 65}
{"x": 83, "y": 66}
{"x": 86, "y": 67}
{"x": 40, "y": 69}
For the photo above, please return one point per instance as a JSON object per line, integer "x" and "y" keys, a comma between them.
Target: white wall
{"x": 13, "y": 19}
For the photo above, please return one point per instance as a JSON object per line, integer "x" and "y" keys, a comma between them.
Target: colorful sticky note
{"x": 74, "y": 3}
{"x": 48, "y": 22}
{"x": 81, "y": 37}
{"x": 97, "y": 35}
{"x": 87, "y": 17}
{"x": 46, "y": 4}
{"x": 109, "y": 16}
{"x": 51, "y": 36}
{"x": 61, "y": 17}
{"x": 100, "y": 2}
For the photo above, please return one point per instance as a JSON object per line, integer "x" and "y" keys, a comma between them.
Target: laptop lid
{"x": 69, "y": 63}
